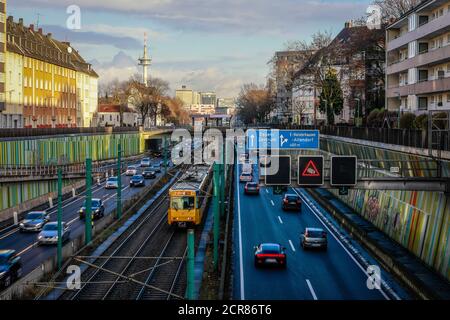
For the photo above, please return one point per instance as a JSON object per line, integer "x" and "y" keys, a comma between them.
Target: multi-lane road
{"x": 310, "y": 275}
{"x": 26, "y": 243}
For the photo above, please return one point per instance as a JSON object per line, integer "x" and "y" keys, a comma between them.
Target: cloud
{"x": 93, "y": 38}
{"x": 219, "y": 15}
{"x": 218, "y": 79}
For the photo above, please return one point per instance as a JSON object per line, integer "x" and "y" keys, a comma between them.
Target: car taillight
{"x": 324, "y": 234}
{"x": 298, "y": 201}
{"x": 286, "y": 201}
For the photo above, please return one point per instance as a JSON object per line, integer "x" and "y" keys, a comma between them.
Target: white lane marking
{"x": 241, "y": 263}
{"x": 339, "y": 241}
{"x": 273, "y": 204}
{"x": 267, "y": 190}
{"x": 27, "y": 249}
{"x": 279, "y": 218}
{"x": 311, "y": 289}
{"x": 292, "y": 245}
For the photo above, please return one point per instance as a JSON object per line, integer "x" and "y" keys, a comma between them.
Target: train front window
{"x": 183, "y": 203}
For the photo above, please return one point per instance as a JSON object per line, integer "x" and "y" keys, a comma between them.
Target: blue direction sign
{"x": 282, "y": 139}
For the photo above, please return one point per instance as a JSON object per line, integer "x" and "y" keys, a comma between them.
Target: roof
{"x": 35, "y": 44}
{"x": 407, "y": 13}
{"x": 113, "y": 108}
{"x": 343, "y": 37}
{"x": 192, "y": 178}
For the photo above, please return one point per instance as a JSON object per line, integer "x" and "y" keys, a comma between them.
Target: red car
{"x": 291, "y": 202}
{"x": 251, "y": 188}
{"x": 270, "y": 254}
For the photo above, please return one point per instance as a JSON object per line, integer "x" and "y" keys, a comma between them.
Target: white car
{"x": 145, "y": 162}
{"x": 49, "y": 234}
{"x": 246, "y": 177}
{"x": 131, "y": 171}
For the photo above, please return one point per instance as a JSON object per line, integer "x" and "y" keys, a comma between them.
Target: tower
{"x": 145, "y": 61}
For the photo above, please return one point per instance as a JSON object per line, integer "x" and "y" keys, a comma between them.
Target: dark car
{"x": 314, "y": 238}
{"x": 97, "y": 209}
{"x": 156, "y": 167}
{"x": 291, "y": 202}
{"x": 34, "y": 221}
{"x": 10, "y": 267}
{"x": 270, "y": 254}
{"x": 137, "y": 181}
{"x": 149, "y": 174}
{"x": 251, "y": 188}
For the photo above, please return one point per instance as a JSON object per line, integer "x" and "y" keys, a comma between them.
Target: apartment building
{"x": 2, "y": 58}
{"x": 43, "y": 75}
{"x": 418, "y": 59}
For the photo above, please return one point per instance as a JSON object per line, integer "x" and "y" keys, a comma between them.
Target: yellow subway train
{"x": 188, "y": 196}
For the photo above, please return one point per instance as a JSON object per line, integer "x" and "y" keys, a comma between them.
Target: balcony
{"x": 430, "y": 57}
{"x": 424, "y": 87}
{"x": 429, "y": 29}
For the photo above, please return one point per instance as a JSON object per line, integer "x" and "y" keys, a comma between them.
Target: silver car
{"x": 314, "y": 238}
{"x": 34, "y": 221}
{"x": 112, "y": 183}
{"x": 49, "y": 234}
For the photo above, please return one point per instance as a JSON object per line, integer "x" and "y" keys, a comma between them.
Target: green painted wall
{"x": 58, "y": 150}
{"x": 418, "y": 220}
{"x": 68, "y": 149}
{"x": 12, "y": 194}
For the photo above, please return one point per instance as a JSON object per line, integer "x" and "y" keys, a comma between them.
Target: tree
{"x": 284, "y": 70}
{"x": 331, "y": 97}
{"x": 119, "y": 92}
{"x": 298, "y": 109}
{"x": 177, "y": 114}
{"x": 395, "y": 8}
{"x": 255, "y": 103}
{"x": 148, "y": 100}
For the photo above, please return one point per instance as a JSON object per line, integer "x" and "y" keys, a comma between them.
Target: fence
{"x": 27, "y": 132}
{"x": 415, "y": 138}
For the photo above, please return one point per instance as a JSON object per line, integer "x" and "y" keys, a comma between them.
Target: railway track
{"x": 146, "y": 262}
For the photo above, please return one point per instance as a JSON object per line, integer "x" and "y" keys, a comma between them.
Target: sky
{"x": 207, "y": 45}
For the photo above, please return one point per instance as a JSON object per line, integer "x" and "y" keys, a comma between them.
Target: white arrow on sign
{"x": 252, "y": 138}
{"x": 282, "y": 140}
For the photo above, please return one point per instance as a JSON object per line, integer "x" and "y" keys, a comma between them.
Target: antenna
{"x": 38, "y": 19}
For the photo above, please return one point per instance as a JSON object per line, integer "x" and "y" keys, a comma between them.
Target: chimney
{"x": 348, "y": 24}
{"x": 49, "y": 35}
{"x": 40, "y": 30}
{"x": 21, "y": 22}
{"x": 32, "y": 27}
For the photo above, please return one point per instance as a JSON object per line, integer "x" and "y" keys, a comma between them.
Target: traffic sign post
{"x": 343, "y": 171}
{"x": 310, "y": 171}
{"x": 283, "y": 175}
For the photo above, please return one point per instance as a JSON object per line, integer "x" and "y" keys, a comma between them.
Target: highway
{"x": 310, "y": 275}
{"x": 25, "y": 243}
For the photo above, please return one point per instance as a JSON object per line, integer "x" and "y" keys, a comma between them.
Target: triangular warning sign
{"x": 311, "y": 170}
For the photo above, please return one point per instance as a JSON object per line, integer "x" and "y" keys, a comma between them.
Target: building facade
{"x": 418, "y": 59}
{"x": 2, "y": 59}
{"x": 109, "y": 116}
{"x": 43, "y": 79}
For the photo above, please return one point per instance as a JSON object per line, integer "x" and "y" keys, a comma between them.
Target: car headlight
{"x": 2, "y": 274}
{"x": 40, "y": 237}
{"x": 97, "y": 210}
{"x": 21, "y": 224}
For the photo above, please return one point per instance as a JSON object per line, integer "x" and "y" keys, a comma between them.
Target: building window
{"x": 448, "y": 97}
{"x": 423, "y": 103}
